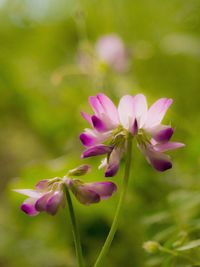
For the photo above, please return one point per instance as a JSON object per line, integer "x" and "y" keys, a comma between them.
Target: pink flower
{"x": 111, "y": 127}
{"x": 49, "y": 194}
{"x": 111, "y": 50}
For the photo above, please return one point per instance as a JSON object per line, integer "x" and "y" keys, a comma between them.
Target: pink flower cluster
{"x": 49, "y": 194}
{"x": 110, "y": 127}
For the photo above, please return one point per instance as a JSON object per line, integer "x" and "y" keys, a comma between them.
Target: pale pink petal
{"x": 139, "y": 109}
{"x": 168, "y": 146}
{"x": 96, "y": 105}
{"x": 109, "y": 108}
{"x": 157, "y": 111}
{"x": 28, "y": 192}
{"x": 126, "y": 111}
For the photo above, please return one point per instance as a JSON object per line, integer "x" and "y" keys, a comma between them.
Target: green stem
{"x": 75, "y": 231}
{"x": 114, "y": 226}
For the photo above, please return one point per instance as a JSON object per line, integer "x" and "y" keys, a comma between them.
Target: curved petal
{"x": 168, "y": 146}
{"x": 96, "y": 150}
{"x": 113, "y": 162}
{"x": 28, "y": 192}
{"x": 103, "y": 189}
{"x": 157, "y": 111}
{"x": 126, "y": 111}
{"x": 87, "y": 139}
{"x": 41, "y": 203}
{"x": 28, "y": 206}
{"x": 161, "y": 133}
{"x": 83, "y": 194}
{"x": 54, "y": 202}
{"x": 157, "y": 160}
{"x": 98, "y": 124}
{"x": 96, "y": 105}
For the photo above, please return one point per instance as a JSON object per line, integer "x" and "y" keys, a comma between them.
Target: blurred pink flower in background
{"x": 111, "y": 50}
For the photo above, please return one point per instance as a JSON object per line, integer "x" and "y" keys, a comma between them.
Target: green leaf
{"x": 190, "y": 245}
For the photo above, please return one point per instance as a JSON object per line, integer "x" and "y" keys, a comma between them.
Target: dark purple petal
{"x": 111, "y": 170}
{"x": 96, "y": 150}
{"x": 54, "y": 202}
{"x": 134, "y": 128}
{"x": 98, "y": 124}
{"x": 103, "y": 189}
{"x": 160, "y": 164}
{"x": 164, "y": 135}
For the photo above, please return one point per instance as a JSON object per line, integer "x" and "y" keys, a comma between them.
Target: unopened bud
{"x": 79, "y": 171}
{"x": 151, "y": 246}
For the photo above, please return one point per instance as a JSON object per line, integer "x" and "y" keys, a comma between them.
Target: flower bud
{"x": 151, "y": 246}
{"x": 80, "y": 170}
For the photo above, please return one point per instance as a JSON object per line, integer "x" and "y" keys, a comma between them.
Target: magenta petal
{"x": 29, "y": 207}
{"x": 103, "y": 189}
{"x": 96, "y": 150}
{"x": 54, "y": 202}
{"x": 98, "y": 124}
{"x": 164, "y": 135}
{"x": 87, "y": 140}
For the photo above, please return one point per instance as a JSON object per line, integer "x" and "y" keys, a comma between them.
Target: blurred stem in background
{"x": 75, "y": 231}
{"x": 113, "y": 229}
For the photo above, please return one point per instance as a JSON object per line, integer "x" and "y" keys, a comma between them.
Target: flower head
{"x": 49, "y": 194}
{"x": 111, "y": 127}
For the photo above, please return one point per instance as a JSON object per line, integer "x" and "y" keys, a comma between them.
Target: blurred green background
{"x": 43, "y": 90}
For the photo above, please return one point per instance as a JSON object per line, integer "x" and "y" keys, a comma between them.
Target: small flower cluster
{"x": 111, "y": 127}
{"x": 49, "y": 194}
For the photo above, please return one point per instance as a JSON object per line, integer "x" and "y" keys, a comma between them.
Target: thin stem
{"x": 177, "y": 254}
{"x": 75, "y": 231}
{"x": 114, "y": 226}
